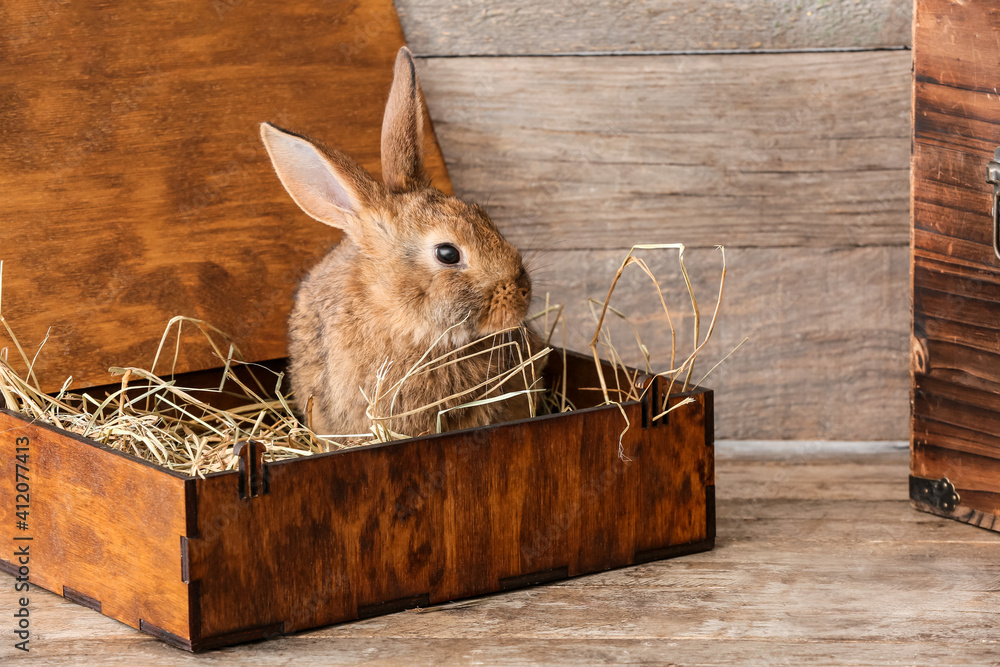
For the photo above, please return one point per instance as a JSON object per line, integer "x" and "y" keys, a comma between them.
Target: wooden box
{"x": 279, "y": 547}
{"x": 956, "y": 262}
{"x": 135, "y": 189}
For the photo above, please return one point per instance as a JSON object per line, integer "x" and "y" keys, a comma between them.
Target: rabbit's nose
{"x": 504, "y": 293}
{"x": 508, "y": 304}
{"x": 519, "y": 289}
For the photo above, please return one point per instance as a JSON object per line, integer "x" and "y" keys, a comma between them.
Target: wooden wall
{"x": 777, "y": 128}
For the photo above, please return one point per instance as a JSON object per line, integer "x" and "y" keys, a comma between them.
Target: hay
{"x": 173, "y": 426}
{"x": 180, "y": 428}
{"x": 601, "y": 337}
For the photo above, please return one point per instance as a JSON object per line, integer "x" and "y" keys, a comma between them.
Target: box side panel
{"x": 373, "y": 530}
{"x": 105, "y": 529}
{"x": 678, "y": 478}
{"x": 955, "y": 273}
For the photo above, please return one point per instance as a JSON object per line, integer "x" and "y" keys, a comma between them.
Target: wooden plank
{"x": 875, "y": 480}
{"x": 689, "y": 645}
{"x": 946, "y": 34}
{"x": 464, "y": 27}
{"x": 803, "y": 575}
{"x": 947, "y": 297}
{"x": 951, "y": 198}
{"x": 974, "y": 476}
{"x": 102, "y": 527}
{"x": 828, "y": 332}
{"x": 743, "y": 150}
{"x": 955, "y": 118}
{"x": 135, "y": 184}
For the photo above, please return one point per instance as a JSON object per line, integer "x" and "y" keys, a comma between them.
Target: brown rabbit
{"x": 415, "y": 265}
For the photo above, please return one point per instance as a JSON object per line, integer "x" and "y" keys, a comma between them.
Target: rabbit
{"x": 415, "y": 266}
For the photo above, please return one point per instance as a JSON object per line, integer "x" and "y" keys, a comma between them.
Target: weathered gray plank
{"x": 866, "y": 472}
{"x": 468, "y": 27}
{"x": 828, "y": 331}
{"x": 698, "y": 647}
{"x": 749, "y": 150}
{"x": 812, "y": 577}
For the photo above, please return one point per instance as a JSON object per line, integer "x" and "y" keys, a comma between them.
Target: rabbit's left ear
{"x": 403, "y": 129}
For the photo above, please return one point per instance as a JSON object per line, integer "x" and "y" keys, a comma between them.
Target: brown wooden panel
{"x": 941, "y": 247}
{"x": 962, "y": 364}
{"x": 959, "y": 405}
{"x": 955, "y": 134}
{"x": 669, "y": 482}
{"x": 961, "y": 283}
{"x": 372, "y": 529}
{"x": 952, "y": 178}
{"x": 927, "y": 430}
{"x": 135, "y": 186}
{"x": 941, "y": 230}
{"x": 957, "y": 307}
{"x": 952, "y": 201}
{"x": 973, "y": 338}
{"x": 103, "y": 525}
{"x": 955, "y": 117}
{"x": 467, "y": 27}
{"x": 956, "y": 276}
{"x": 955, "y": 43}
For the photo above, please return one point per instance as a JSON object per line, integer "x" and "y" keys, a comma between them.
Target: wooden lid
{"x": 134, "y": 184}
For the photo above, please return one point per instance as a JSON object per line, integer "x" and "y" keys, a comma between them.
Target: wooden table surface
{"x": 820, "y": 560}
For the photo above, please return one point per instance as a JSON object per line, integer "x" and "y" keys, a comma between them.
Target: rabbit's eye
{"x": 446, "y": 253}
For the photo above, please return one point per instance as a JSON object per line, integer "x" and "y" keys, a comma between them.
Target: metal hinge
{"x": 993, "y": 176}
{"x": 938, "y": 493}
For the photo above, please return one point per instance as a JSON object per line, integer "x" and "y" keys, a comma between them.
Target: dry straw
{"x": 181, "y": 428}
{"x": 677, "y": 374}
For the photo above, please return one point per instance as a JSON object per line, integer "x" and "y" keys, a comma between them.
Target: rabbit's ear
{"x": 326, "y": 184}
{"x": 403, "y": 129}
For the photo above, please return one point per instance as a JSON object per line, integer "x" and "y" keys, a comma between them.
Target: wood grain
{"x": 135, "y": 185}
{"x": 956, "y": 321}
{"x": 434, "y": 519}
{"x": 803, "y": 574}
{"x": 464, "y": 27}
{"x": 742, "y": 150}
{"x": 102, "y": 524}
{"x": 828, "y": 332}
{"x": 959, "y": 60}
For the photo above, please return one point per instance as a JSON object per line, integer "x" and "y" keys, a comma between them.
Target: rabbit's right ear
{"x": 327, "y": 185}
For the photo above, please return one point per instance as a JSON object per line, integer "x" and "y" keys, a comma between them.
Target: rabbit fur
{"x": 383, "y": 294}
